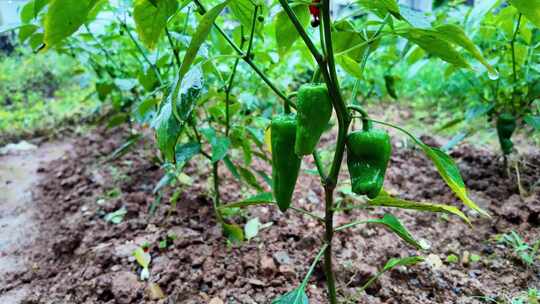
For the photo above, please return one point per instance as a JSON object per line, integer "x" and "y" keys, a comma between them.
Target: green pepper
{"x": 506, "y": 125}
{"x": 285, "y": 163}
{"x": 314, "y": 110}
{"x": 389, "y": 82}
{"x": 368, "y": 154}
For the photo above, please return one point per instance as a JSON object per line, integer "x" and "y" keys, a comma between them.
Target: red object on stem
{"x": 315, "y": 12}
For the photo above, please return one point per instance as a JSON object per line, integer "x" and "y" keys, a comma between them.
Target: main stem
{"x": 328, "y": 236}
{"x": 512, "y": 47}
{"x": 343, "y": 125}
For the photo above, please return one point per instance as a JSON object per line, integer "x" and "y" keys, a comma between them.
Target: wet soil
{"x": 19, "y": 175}
{"x": 79, "y": 257}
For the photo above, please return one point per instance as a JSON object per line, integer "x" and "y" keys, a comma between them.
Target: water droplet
{"x": 493, "y": 74}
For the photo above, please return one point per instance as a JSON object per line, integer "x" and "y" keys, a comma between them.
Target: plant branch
{"x": 215, "y": 171}
{"x": 252, "y": 33}
{"x": 350, "y": 225}
{"x": 512, "y": 45}
{"x": 319, "y": 165}
{"x": 101, "y": 46}
{"x": 300, "y": 29}
{"x": 247, "y": 59}
{"x": 300, "y": 210}
{"x": 140, "y": 49}
{"x": 229, "y": 88}
{"x": 174, "y": 49}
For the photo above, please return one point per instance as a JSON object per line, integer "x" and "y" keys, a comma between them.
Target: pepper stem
{"x": 366, "y": 122}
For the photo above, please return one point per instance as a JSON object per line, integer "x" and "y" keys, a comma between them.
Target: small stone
{"x": 282, "y": 258}
{"x": 125, "y": 286}
{"x": 155, "y": 292}
{"x": 256, "y": 282}
{"x": 216, "y": 301}
{"x": 267, "y": 265}
{"x": 115, "y": 268}
{"x": 434, "y": 261}
{"x": 466, "y": 258}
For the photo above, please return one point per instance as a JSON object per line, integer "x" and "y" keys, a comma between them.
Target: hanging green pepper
{"x": 314, "y": 110}
{"x": 368, "y": 153}
{"x": 506, "y": 125}
{"x": 285, "y": 163}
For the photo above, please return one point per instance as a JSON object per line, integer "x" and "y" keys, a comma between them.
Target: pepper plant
{"x": 507, "y": 32}
{"x": 186, "y": 113}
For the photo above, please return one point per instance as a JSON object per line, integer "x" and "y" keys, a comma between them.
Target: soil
{"x": 79, "y": 257}
{"x": 18, "y": 175}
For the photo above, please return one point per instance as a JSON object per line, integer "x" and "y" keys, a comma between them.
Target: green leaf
{"x": 529, "y": 8}
{"x": 116, "y": 217}
{"x": 251, "y": 229}
{"x": 148, "y": 79}
{"x": 64, "y": 17}
{"x": 104, "y": 88}
{"x": 25, "y": 31}
{"x": 295, "y": 296}
{"x": 126, "y": 146}
{"x": 32, "y": 9}
{"x": 200, "y": 36}
{"x": 220, "y": 144}
{"x": 185, "y": 152}
{"x": 190, "y": 91}
{"x": 166, "y": 180}
{"x": 243, "y": 10}
{"x": 350, "y": 66}
{"x": 285, "y": 31}
{"x": 232, "y": 168}
{"x": 265, "y": 198}
{"x": 456, "y": 35}
{"x": 346, "y": 40}
{"x": 385, "y": 200}
{"x": 407, "y": 261}
{"x": 233, "y": 232}
{"x": 249, "y": 178}
{"x": 151, "y": 18}
{"x": 533, "y": 121}
{"x": 166, "y": 123}
{"x": 167, "y": 130}
{"x": 447, "y": 169}
{"x": 415, "y": 18}
{"x": 431, "y": 42}
{"x": 36, "y": 41}
{"x": 144, "y": 110}
{"x": 393, "y": 262}
{"x": 117, "y": 120}
{"x": 265, "y": 177}
{"x": 389, "y": 82}
{"x": 450, "y": 173}
{"x": 479, "y": 10}
{"x": 142, "y": 258}
{"x": 381, "y": 7}
{"x": 391, "y": 222}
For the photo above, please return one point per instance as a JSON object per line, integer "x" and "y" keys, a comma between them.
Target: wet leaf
{"x": 220, "y": 144}
{"x": 295, "y": 296}
{"x": 233, "y": 232}
{"x": 116, "y": 217}
{"x": 265, "y": 198}
{"x": 64, "y": 17}
{"x": 391, "y": 222}
{"x": 286, "y": 33}
{"x": 385, "y": 200}
{"x": 151, "y": 18}
{"x": 251, "y": 229}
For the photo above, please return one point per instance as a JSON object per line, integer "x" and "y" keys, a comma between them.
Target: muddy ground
{"x": 18, "y": 175}
{"x": 78, "y": 257}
